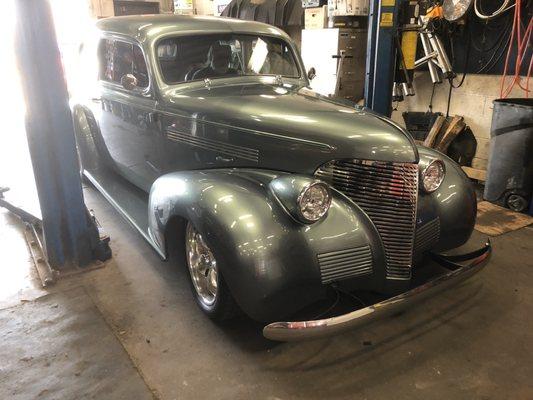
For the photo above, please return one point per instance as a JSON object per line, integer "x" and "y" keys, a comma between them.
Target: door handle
{"x": 224, "y": 159}
{"x": 97, "y": 99}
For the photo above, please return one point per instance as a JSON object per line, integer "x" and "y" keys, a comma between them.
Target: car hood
{"x": 298, "y": 114}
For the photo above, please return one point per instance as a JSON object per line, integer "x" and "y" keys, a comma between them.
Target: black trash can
{"x": 510, "y": 170}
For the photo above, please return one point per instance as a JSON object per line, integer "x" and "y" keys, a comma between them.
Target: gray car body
{"x": 207, "y": 153}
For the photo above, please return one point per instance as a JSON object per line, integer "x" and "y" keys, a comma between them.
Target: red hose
{"x": 522, "y": 45}
{"x": 528, "y": 75}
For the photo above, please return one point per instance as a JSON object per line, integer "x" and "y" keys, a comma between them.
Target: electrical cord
{"x": 491, "y": 63}
{"x": 498, "y": 47}
{"x": 353, "y": 296}
{"x": 465, "y": 69}
{"x": 320, "y": 315}
{"x": 498, "y": 42}
{"x": 450, "y": 81}
{"x": 430, "y": 105}
{"x": 467, "y": 56}
{"x": 503, "y": 8}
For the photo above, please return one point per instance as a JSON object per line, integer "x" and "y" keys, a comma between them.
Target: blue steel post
{"x": 381, "y": 55}
{"x": 49, "y": 129}
{"x": 373, "y": 22}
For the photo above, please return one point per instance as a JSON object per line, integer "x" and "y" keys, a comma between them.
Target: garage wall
{"x": 204, "y": 7}
{"x": 473, "y": 101}
{"x": 104, "y": 8}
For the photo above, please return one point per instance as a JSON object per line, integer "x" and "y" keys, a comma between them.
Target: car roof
{"x": 149, "y": 27}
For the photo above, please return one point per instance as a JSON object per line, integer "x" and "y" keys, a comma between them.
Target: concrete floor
{"x": 131, "y": 330}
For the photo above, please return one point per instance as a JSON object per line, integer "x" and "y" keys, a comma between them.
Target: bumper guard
{"x": 301, "y": 330}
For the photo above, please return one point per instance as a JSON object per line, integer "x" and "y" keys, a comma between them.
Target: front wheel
{"x": 210, "y": 291}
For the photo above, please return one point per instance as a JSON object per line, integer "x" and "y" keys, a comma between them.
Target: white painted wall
{"x": 473, "y": 101}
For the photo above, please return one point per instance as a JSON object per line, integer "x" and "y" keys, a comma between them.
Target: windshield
{"x": 191, "y": 58}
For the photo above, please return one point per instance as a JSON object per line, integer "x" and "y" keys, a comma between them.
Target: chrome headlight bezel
{"x": 304, "y": 216}
{"x": 426, "y": 186}
{"x": 290, "y": 191}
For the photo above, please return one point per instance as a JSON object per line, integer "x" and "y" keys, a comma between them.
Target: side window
{"x": 139, "y": 67}
{"x": 118, "y": 58}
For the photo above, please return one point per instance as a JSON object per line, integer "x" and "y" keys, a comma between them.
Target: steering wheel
{"x": 189, "y": 76}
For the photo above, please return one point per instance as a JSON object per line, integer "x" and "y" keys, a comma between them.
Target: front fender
{"x": 268, "y": 259}
{"x": 453, "y": 203}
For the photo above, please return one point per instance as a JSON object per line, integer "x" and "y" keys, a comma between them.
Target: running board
{"x": 130, "y": 201}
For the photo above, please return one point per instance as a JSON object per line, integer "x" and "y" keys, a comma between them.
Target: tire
{"x": 80, "y": 167}
{"x": 516, "y": 202}
{"x": 207, "y": 283}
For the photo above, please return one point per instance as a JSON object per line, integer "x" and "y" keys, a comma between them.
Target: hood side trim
{"x": 252, "y": 131}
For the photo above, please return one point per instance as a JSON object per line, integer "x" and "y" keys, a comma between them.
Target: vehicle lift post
{"x": 71, "y": 237}
{"x": 381, "y": 55}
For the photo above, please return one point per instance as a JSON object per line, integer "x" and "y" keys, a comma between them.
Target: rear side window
{"x": 118, "y": 58}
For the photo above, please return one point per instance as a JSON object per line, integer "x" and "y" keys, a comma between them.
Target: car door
{"x": 125, "y": 114}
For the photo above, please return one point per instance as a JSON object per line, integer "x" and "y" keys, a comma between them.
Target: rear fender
{"x": 89, "y": 141}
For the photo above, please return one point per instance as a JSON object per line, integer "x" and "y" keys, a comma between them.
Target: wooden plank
{"x": 454, "y": 128}
{"x": 494, "y": 220}
{"x": 474, "y": 173}
{"x": 434, "y": 131}
{"x": 479, "y": 163}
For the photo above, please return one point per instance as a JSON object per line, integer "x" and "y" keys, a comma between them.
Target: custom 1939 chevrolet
{"x": 204, "y": 134}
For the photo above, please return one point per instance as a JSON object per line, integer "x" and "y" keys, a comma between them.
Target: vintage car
{"x": 203, "y": 132}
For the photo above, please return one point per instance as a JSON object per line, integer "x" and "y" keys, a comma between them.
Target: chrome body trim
{"x": 260, "y": 133}
{"x": 300, "y": 330}
{"x": 214, "y": 145}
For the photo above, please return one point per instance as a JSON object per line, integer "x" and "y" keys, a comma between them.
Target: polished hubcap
{"x": 202, "y": 266}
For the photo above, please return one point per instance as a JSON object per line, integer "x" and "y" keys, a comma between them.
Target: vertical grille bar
{"x": 387, "y": 193}
{"x": 427, "y": 236}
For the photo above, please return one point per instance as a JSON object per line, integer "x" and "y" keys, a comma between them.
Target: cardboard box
{"x": 316, "y": 18}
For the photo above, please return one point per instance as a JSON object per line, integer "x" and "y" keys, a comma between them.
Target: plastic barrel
{"x": 510, "y": 170}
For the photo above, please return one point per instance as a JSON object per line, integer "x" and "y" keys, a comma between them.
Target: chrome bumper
{"x": 300, "y": 330}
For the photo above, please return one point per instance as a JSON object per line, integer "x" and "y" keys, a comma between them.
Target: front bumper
{"x": 300, "y": 330}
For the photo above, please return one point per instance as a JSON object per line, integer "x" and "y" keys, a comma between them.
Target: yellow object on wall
{"x": 409, "y": 40}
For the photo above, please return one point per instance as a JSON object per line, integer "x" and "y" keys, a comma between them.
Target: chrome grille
{"x": 343, "y": 264}
{"x": 427, "y": 235}
{"x": 387, "y": 193}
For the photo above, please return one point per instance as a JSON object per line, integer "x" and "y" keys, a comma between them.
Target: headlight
{"x": 314, "y": 201}
{"x": 305, "y": 199}
{"x": 433, "y": 175}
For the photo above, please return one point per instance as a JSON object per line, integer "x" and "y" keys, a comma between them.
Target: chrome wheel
{"x": 202, "y": 267}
